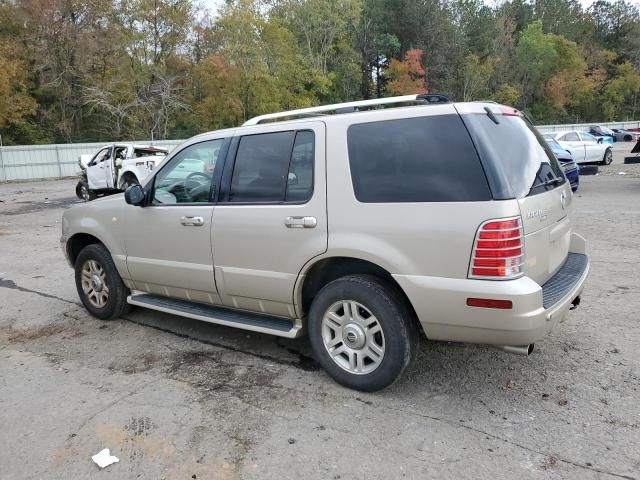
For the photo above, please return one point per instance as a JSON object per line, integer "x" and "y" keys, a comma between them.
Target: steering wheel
{"x": 200, "y": 186}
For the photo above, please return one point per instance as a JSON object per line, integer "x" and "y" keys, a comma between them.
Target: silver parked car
{"x": 361, "y": 227}
{"x": 585, "y": 148}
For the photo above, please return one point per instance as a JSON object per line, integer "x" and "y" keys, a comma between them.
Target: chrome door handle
{"x": 192, "y": 221}
{"x": 300, "y": 222}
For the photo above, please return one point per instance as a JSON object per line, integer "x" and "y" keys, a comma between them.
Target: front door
{"x": 572, "y": 142}
{"x": 271, "y": 218}
{"x": 98, "y": 169}
{"x": 594, "y": 152}
{"x": 169, "y": 239}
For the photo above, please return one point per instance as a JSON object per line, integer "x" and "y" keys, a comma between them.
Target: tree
{"x": 621, "y": 96}
{"x": 16, "y": 102}
{"x": 407, "y": 76}
{"x": 477, "y": 75}
{"x": 507, "y": 94}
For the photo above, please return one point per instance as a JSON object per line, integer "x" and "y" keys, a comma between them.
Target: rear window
{"x": 424, "y": 159}
{"x": 520, "y": 161}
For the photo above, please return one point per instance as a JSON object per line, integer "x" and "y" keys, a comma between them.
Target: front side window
{"x": 189, "y": 175}
{"x": 586, "y": 137}
{"x": 423, "y": 159}
{"x": 101, "y": 156}
{"x": 273, "y": 167}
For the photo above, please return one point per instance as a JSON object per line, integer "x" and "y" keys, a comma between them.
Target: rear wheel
{"x": 608, "y": 157}
{"x": 128, "y": 180}
{"x": 98, "y": 283}
{"x": 362, "y": 332}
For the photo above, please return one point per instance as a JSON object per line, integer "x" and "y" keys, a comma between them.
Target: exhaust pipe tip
{"x": 524, "y": 350}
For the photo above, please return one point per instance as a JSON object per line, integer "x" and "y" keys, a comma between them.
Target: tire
{"x": 380, "y": 307}
{"x": 95, "y": 261}
{"x": 607, "y": 158}
{"x": 83, "y": 192}
{"x": 627, "y": 138}
{"x": 127, "y": 181}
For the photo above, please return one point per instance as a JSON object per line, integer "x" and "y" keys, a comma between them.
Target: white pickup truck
{"x": 115, "y": 167}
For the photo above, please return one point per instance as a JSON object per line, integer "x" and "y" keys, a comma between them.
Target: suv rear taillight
{"x": 498, "y": 250}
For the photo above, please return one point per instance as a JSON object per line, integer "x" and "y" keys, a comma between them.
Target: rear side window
{"x": 423, "y": 159}
{"x": 570, "y": 137}
{"x": 273, "y": 167}
{"x": 300, "y": 177}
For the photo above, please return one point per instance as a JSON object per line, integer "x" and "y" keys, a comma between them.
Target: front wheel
{"x": 362, "y": 332}
{"x": 83, "y": 192}
{"x": 608, "y": 157}
{"x": 99, "y": 285}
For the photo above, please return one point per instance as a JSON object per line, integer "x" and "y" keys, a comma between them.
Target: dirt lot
{"x": 179, "y": 399}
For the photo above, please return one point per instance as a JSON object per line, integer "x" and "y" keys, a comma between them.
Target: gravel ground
{"x": 620, "y": 150}
{"x": 179, "y": 399}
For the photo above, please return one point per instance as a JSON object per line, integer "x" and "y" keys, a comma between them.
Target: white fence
{"x": 54, "y": 161}
{"x": 27, "y": 162}
{"x": 585, "y": 126}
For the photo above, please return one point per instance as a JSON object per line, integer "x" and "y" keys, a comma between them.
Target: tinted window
{"x": 261, "y": 168}
{"x": 570, "y": 137}
{"x": 425, "y": 159}
{"x": 300, "y": 178}
{"x": 188, "y": 176}
{"x": 518, "y": 153}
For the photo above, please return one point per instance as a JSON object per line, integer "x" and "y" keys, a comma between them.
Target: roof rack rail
{"x": 349, "y": 107}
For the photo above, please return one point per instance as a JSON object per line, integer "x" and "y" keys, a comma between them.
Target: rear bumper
{"x": 440, "y": 304}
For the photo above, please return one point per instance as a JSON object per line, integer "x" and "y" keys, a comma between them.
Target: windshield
{"x": 518, "y": 153}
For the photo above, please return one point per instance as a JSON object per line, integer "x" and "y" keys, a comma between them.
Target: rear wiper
{"x": 552, "y": 181}
{"x": 492, "y": 116}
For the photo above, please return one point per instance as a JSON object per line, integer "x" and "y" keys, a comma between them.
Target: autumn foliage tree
{"x": 407, "y": 76}
{"x": 15, "y": 103}
{"x": 104, "y": 70}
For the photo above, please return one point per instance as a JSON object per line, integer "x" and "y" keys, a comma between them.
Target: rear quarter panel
{"x": 433, "y": 239}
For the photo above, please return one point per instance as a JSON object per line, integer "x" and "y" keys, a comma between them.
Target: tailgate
{"x": 547, "y": 231}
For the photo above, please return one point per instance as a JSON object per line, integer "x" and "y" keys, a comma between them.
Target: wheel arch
{"x": 127, "y": 171}
{"x": 326, "y": 269}
{"x": 77, "y": 242}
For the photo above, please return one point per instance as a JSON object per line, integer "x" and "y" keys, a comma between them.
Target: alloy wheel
{"x": 94, "y": 283}
{"x": 353, "y": 337}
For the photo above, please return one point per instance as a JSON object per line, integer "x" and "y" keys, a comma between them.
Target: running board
{"x": 282, "y": 327}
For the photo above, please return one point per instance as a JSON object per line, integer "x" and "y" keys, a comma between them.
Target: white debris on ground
{"x": 104, "y": 458}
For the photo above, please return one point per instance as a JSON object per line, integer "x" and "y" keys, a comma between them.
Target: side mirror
{"x": 134, "y": 195}
{"x": 599, "y": 139}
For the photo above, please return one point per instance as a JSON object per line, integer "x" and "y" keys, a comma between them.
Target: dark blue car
{"x": 571, "y": 168}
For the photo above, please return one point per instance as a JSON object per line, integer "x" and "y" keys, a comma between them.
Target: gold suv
{"x": 362, "y": 225}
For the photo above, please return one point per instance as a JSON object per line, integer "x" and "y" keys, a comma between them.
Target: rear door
{"x": 271, "y": 218}
{"x": 534, "y": 177}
